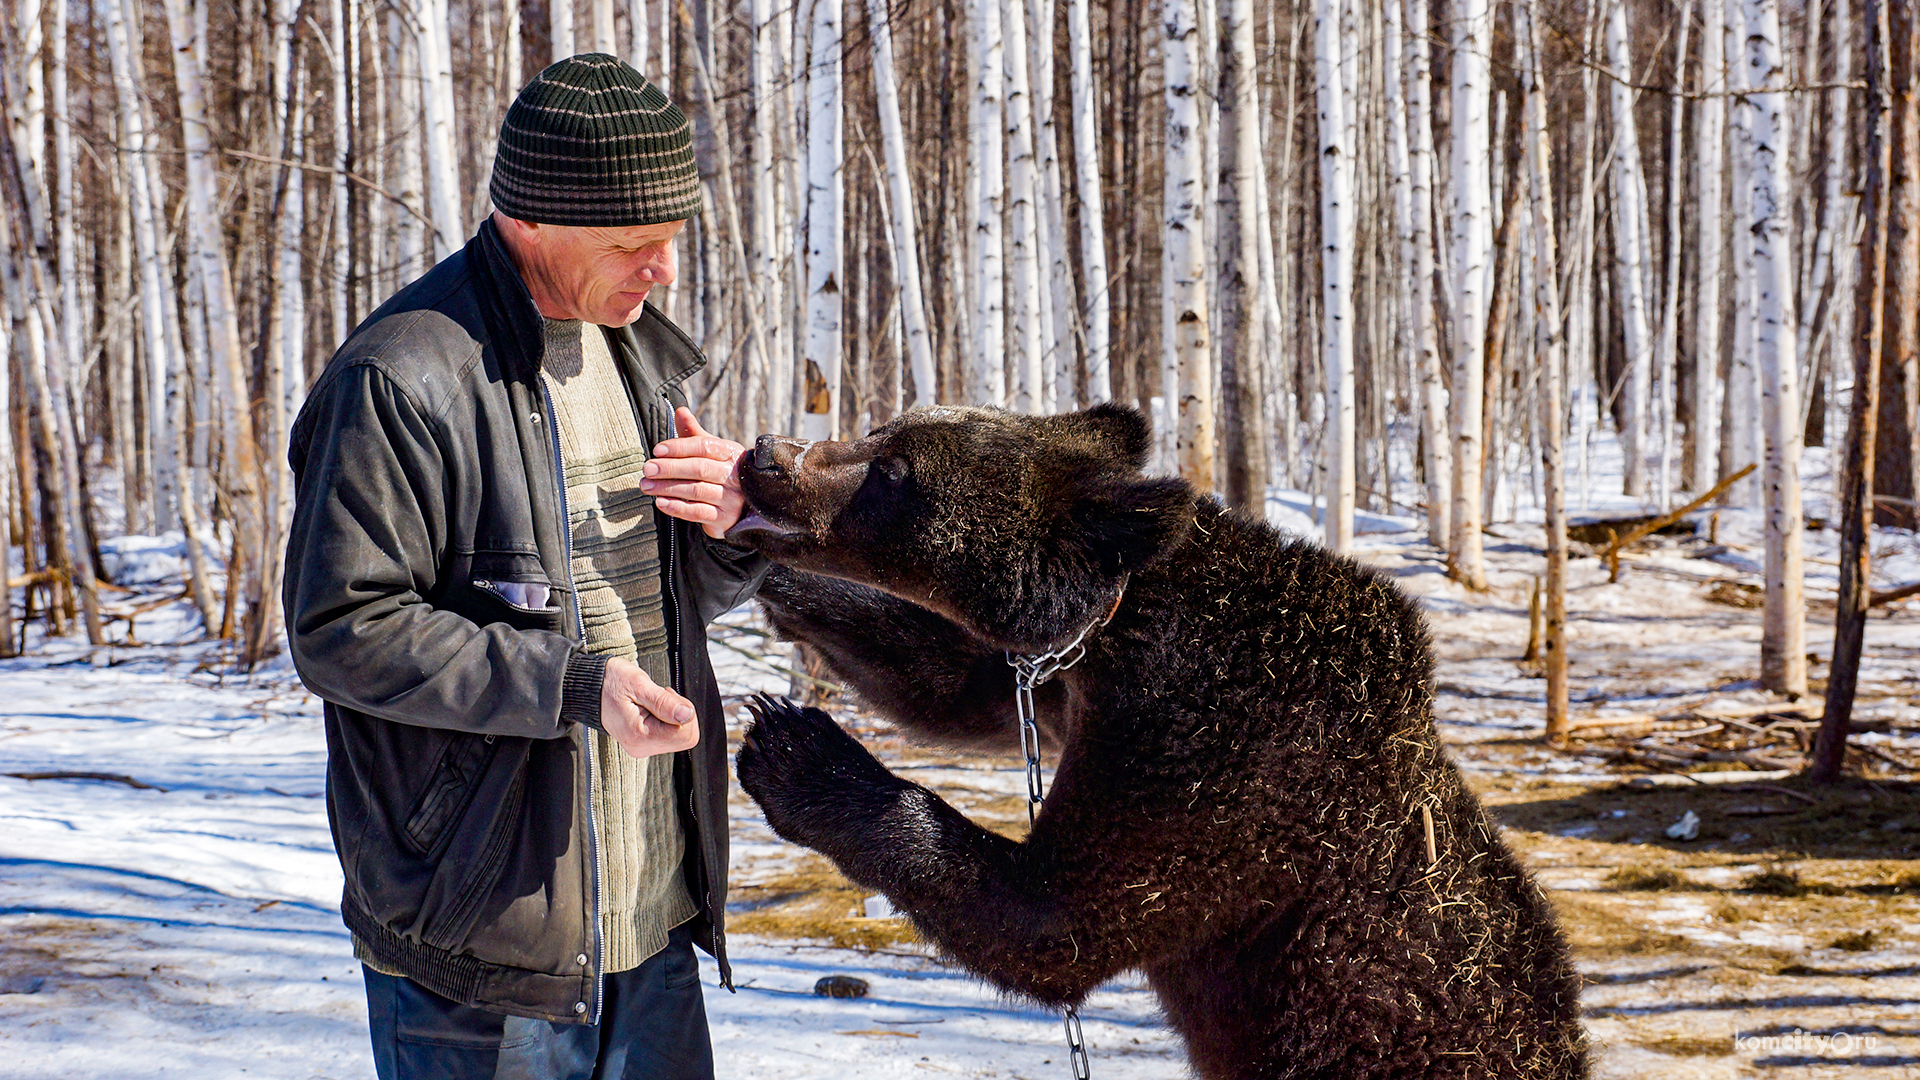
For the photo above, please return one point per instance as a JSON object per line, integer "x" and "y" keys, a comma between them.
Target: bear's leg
{"x": 913, "y": 666}
{"x": 984, "y": 899}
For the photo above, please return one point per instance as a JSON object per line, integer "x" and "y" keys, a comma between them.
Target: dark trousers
{"x": 653, "y": 1026}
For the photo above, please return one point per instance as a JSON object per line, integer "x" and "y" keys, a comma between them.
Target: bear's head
{"x": 1019, "y": 528}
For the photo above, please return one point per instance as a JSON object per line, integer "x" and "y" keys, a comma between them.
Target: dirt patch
{"x": 813, "y": 903}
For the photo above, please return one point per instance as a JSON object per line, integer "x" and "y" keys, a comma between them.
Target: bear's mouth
{"x": 754, "y": 521}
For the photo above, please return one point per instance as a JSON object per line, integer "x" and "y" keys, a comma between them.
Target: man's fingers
{"x": 664, "y": 704}
{"x": 685, "y": 423}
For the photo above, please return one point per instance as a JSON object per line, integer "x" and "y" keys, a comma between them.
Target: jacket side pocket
{"x": 447, "y": 791}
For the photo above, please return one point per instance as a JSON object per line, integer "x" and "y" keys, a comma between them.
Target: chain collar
{"x": 1029, "y": 671}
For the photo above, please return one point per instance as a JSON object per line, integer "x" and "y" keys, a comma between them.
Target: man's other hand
{"x": 644, "y": 717}
{"x": 695, "y": 477}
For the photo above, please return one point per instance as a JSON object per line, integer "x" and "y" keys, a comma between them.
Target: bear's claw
{"x": 810, "y": 778}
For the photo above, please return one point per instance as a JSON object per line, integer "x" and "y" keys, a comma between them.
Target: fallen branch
{"x": 1665, "y": 520}
{"x": 1875, "y": 599}
{"x": 111, "y": 778}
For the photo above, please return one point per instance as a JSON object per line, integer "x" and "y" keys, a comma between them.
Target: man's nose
{"x": 657, "y": 266}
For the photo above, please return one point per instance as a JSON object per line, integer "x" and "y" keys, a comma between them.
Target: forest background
{"x": 1313, "y": 239}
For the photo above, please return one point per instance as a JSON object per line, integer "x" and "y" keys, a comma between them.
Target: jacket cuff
{"x": 580, "y": 689}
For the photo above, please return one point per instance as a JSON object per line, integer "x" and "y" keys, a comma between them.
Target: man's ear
{"x": 1124, "y": 522}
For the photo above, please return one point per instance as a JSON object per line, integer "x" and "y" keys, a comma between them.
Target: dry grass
{"x": 813, "y": 903}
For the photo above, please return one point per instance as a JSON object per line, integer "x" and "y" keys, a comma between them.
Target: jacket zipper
{"x": 592, "y": 747}
{"x": 670, "y": 551}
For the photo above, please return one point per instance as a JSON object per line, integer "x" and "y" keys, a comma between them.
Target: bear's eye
{"x": 892, "y": 468}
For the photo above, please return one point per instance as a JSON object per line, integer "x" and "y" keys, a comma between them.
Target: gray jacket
{"x": 458, "y": 721}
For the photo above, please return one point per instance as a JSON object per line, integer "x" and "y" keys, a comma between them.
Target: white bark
{"x": 408, "y": 180}
{"x": 1336, "y": 272}
{"x": 906, "y": 246}
{"x": 604, "y": 40}
{"x": 1187, "y": 364}
{"x": 1472, "y": 249}
{"x": 341, "y": 107}
{"x": 638, "y": 32}
{"x": 65, "y": 265}
{"x": 560, "y": 28}
{"x": 1029, "y": 339}
{"x": 443, "y": 166}
{"x": 1630, "y": 242}
{"x": 1429, "y": 386}
{"x": 1057, "y": 300}
{"x": 1709, "y": 156}
{"x": 986, "y": 368}
{"x": 820, "y": 415}
{"x": 1742, "y": 431}
{"x": 1547, "y": 343}
{"x": 1242, "y": 336}
{"x": 1783, "y": 663}
{"x": 766, "y": 411}
{"x": 1093, "y": 230}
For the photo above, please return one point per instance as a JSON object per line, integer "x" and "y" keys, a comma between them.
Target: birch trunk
{"x": 1057, "y": 299}
{"x": 1709, "y": 149}
{"x": 1186, "y": 366}
{"x": 413, "y": 246}
{"x": 1336, "y": 269}
{"x": 986, "y": 368}
{"x": 604, "y": 40}
{"x": 1547, "y": 345}
{"x": 1472, "y": 244}
{"x": 820, "y": 414}
{"x": 1630, "y": 260}
{"x": 66, "y": 272}
{"x": 1030, "y": 340}
{"x": 560, "y": 29}
{"x": 155, "y": 291}
{"x": 1783, "y": 654}
{"x": 240, "y": 475}
{"x": 443, "y": 166}
{"x": 906, "y": 246}
{"x": 341, "y": 109}
{"x": 1429, "y": 386}
{"x": 1741, "y": 432}
{"x": 1093, "y": 229}
{"x": 284, "y": 370}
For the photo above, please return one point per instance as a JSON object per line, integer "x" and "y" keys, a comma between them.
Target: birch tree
{"x": 1472, "y": 243}
{"x": 442, "y": 166}
{"x": 1242, "y": 338}
{"x": 1549, "y": 361}
{"x": 819, "y": 418}
{"x": 1711, "y": 214}
{"x": 1630, "y": 242}
{"x": 1336, "y": 268}
{"x": 1186, "y": 365}
{"x": 986, "y": 369}
{"x": 1783, "y": 659}
{"x": 1430, "y": 387}
{"x": 1093, "y": 227}
{"x": 1030, "y": 340}
{"x": 901, "y": 231}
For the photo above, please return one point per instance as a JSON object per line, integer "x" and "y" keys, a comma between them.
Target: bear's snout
{"x": 774, "y": 454}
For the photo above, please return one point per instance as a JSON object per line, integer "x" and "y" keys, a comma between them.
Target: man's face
{"x": 592, "y": 274}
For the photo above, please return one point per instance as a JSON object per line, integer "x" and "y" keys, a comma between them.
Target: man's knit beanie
{"x": 591, "y": 142}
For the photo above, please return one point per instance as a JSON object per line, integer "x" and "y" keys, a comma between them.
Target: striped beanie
{"x": 591, "y": 142}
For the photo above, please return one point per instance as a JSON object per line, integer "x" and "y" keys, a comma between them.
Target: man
{"x": 526, "y": 761}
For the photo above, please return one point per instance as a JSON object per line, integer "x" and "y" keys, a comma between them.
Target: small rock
{"x": 22, "y": 984}
{"x": 1687, "y": 828}
{"x": 840, "y": 986}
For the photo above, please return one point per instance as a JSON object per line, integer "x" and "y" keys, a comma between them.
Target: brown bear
{"x": 1251, "y": 804}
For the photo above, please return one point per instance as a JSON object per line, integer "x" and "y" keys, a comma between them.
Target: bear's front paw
{"x": 813, "y": 781}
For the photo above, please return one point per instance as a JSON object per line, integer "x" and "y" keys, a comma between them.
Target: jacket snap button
{"x": 579, "y": 1007}
{"x": 533, "y": 418}
{"x": 581, "y": 959}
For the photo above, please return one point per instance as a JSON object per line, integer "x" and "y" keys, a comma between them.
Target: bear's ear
{"x": 1111, "y": 431}
{"x": 1124, "y": 522}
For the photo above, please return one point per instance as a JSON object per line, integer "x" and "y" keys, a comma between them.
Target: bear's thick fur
{"x": 1247, "y": 760}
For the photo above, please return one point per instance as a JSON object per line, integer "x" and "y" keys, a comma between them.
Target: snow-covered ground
{"x": 176, "y": 914}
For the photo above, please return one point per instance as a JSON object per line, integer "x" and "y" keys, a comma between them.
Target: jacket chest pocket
{"x": 511, "y": 588}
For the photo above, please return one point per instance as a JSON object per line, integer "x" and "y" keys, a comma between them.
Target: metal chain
{"x": 1030, "y": 671}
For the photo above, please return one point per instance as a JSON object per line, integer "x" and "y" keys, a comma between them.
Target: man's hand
{"x": 644, "y": 717}
{"x": 695, "y": 477}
